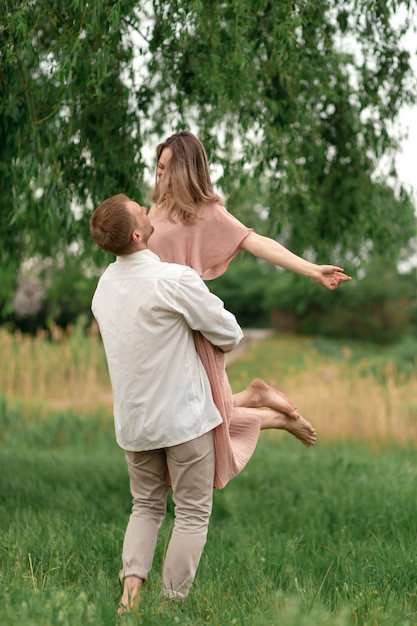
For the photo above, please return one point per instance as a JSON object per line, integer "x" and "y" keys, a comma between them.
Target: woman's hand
{"x": 330, "y": 276}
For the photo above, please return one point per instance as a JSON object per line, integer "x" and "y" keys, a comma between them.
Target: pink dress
{"x": 208, "y": 246}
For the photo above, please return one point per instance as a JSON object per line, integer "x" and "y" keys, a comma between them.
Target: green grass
{"x": 318, "y": 537}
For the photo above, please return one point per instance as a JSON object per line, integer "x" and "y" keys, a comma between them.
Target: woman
{"x": 192, "y": 227}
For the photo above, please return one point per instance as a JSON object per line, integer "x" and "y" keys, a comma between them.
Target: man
{"x": 164, "y": 413}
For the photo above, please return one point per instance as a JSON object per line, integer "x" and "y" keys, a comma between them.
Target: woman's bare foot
{"x": 131, "y": 594}
{"x": 260, "y": 394}
{"x": 300, "y": 428}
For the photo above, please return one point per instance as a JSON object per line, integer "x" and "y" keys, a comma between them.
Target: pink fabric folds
{"x": 236, "y": 438}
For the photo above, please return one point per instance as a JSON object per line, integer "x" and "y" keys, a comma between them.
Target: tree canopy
{"x": 294, "y": 101}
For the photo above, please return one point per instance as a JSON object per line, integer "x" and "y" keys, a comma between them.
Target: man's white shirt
{"x": 145, "y": 310}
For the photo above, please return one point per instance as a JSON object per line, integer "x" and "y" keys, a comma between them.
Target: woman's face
{"x": 163, "y": 160}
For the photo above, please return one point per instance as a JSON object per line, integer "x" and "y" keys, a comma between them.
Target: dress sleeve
{"x": 218, "y": 238}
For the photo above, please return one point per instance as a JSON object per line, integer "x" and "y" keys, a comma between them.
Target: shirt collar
{"x": 139, "y": 255}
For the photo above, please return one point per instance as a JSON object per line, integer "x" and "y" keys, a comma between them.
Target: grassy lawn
{"x": 324, "y": 536}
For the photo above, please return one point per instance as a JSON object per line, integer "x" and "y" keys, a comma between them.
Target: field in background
{"x": 69, "y": 372}
{"x": 324, "y": 536}
{"x": 348, "y": 391}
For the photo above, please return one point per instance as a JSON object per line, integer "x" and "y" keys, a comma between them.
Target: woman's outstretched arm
{"x": 328, "y": 276}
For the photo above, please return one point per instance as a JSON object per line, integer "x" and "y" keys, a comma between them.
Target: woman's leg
{"x": 259, "y": 394}
{"x": 281, "y": 414}
{"x": 300, "y": 428}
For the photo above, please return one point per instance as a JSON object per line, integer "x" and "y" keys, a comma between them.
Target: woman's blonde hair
{"x": 187, "y": 174}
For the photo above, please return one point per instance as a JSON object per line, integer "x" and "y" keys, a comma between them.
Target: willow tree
{"x": 66, "y": 128}
{"x": 293, "y": 99}
{"x": 305, "y": 94}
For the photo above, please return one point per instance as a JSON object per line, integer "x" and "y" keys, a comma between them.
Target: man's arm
{"x": 205, "y": 312}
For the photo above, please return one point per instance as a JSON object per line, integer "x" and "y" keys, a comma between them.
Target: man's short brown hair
{"x": 112, "y": 225}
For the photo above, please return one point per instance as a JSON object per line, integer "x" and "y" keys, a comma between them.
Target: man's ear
{"x": 136, "y": 236}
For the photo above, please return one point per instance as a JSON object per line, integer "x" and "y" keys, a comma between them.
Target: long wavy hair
{"x": 187, "y": 174}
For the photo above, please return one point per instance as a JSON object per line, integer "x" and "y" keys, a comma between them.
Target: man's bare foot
{"x": 260, "y": 394}
{"x": 300, "y": 428}
{"x": 131, "y": 594}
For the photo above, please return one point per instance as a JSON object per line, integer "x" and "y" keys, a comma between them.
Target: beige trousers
{"x": 191, "y": 468}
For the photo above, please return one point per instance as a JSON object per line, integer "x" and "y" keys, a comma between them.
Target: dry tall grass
{"x": 343, "y": 406}
{"x": 71, "y": 372}
{"x": 68, "y": 371}
{"x": 338, "y": 396}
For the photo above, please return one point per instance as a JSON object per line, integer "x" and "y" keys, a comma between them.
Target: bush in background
{"x": 52, "y": 293}
{"x": 380, "y": 307}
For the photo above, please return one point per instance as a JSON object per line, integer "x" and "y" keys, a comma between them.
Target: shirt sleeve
{"x": 205, "y": 312}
